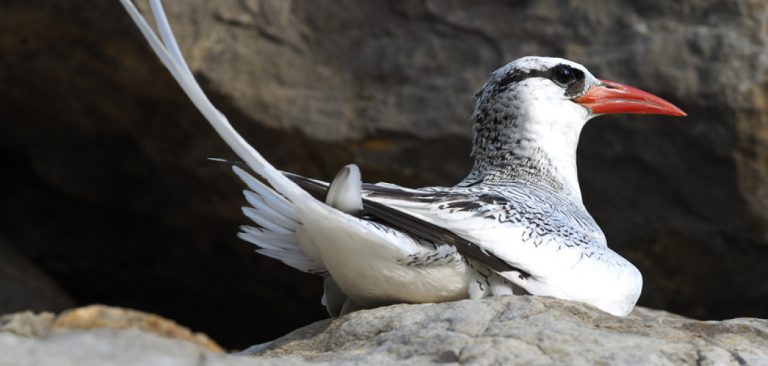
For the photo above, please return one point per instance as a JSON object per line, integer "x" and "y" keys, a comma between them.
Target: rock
{"x": 100, "y": 335}
{"x": 23, "y": 286}
{"x": 516, "y": 330}
{"x": 29, "y": 324}
{"x": 116, "y": 347}
{"x": 106, "y": 187}
{"x": 524, "y": 330}
{"x": 100, "y": 316}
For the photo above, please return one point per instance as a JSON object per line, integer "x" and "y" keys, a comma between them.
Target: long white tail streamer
{"x": 170, "y": 55}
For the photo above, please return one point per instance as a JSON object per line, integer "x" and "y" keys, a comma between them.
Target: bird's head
{"x": 532, "y": 110}
{"x": 538, "y": 88}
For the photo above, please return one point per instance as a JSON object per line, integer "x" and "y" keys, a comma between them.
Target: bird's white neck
{"x": 543, "y": 153}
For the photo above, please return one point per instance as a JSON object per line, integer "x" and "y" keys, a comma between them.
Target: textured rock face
{"x": 106, "y": 188}
{"x": 100, "y": 316}
{"x": 42, "y": 339}
{"x": 30, "y": 324}
{"x": 496, "y": 331}
{"x": 525, "y": 331}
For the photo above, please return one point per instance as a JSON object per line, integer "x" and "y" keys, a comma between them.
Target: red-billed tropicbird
{"x": 515, "y": 224}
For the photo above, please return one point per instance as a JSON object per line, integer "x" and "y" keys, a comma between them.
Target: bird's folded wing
{"x": 413, "y": 211}
{"x": 524, "y": 228}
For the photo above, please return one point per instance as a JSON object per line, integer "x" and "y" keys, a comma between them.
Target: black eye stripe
{"x": 572, "y": 88}
{"x": 517, "y": 76}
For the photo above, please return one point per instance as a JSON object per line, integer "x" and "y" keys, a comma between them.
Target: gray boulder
{"x": 522, "y": 330}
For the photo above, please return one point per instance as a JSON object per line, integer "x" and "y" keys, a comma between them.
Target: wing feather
{"x": 413, "y": 225}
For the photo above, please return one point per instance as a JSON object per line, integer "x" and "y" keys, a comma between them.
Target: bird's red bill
{"x": 613, "y": 98}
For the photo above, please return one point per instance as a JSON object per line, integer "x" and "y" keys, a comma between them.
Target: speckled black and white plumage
{"x": 515, "y": 223}
{"x": 521, "y": 202}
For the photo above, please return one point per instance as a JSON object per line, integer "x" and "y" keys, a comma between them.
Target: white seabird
{"x": 515, "y": 224}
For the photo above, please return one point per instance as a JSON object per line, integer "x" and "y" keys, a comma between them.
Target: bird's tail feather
{"x": 278, "y": 222}
{"x": 170, "y": 55}
{"x": 272, "y": 208}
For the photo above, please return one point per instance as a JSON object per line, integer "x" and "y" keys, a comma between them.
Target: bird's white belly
{"x": 373, "y": 272}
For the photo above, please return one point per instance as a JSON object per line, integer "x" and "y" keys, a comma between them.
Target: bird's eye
{"x": 563, "y": 74}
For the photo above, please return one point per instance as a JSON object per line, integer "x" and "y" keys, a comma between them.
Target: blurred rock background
{"x": 106, "y": 195}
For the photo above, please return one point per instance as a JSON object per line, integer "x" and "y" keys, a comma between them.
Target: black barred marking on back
{"x": 433, "y": 258}
{"x": 546, "y": 217}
